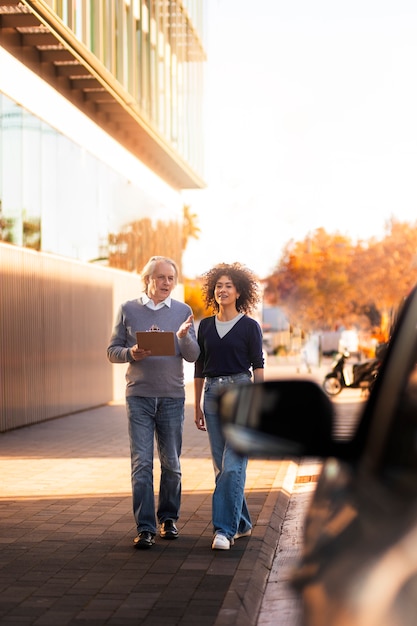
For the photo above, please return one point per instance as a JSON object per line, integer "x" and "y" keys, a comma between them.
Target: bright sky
{"x": 311, "y": 122}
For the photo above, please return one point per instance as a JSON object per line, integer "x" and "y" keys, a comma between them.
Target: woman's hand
{"x": 199, "y": 420}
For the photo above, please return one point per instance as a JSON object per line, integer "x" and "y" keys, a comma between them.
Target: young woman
{"x": 230, "y": 353}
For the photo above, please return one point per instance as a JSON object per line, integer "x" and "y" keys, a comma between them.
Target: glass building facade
{"x": 100, "y": 131}
{"x": 58, "y": 197}
{"x": 132, "y": 73}
{"x": 155, "y": 51}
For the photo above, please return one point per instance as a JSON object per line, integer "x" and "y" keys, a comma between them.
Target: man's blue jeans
{"x": 229, "y": 509}
{"x": 162, "y": 418}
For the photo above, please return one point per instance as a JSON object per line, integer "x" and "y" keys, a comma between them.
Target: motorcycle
{"x": 359, "y": 376}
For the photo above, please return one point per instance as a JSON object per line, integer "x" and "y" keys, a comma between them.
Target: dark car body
{"x": 359, "y": 559}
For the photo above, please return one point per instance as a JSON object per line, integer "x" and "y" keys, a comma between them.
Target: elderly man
{"x": 155, "y": 396}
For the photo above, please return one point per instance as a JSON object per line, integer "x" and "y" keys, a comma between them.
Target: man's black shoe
{"x": 168, "y": 530}
{"x": 144, "y": 540}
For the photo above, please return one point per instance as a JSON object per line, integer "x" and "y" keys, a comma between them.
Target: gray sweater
{"x": 155, "y": 376}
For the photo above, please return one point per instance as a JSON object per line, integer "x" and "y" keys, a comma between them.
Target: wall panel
{"x": 56, "y": 317}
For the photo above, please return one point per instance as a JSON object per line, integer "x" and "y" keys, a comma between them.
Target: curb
{"x": 243, "y": 600}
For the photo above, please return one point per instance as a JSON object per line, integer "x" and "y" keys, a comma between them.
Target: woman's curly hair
{"x": 243, "y": 279}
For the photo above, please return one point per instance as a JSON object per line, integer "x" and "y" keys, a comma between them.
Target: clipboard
{"x": 160, "y": 343}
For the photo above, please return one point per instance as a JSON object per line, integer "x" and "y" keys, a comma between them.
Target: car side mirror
{"x": 278, "y": 418}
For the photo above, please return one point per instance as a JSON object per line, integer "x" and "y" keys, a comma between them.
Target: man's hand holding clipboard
{"x": 155, "y": 342}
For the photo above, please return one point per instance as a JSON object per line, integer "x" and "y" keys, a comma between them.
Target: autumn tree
{"x": 311, "y": 281}
{"x": 193, "y": 296}
{"x": 190, "y": 228}
{"x": 390, "y": 265}
{"x": 130, "y": 248}
{"x": 326, "y": 280}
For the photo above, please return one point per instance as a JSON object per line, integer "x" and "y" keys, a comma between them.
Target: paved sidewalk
{"x": 66, "y": 531}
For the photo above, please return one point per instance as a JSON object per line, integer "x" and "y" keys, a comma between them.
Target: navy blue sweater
{"x": 240, "y": 350}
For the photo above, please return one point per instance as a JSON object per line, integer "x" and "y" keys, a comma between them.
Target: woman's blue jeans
{"x": 229, "y": 509}
{"x": 162, "y": 419}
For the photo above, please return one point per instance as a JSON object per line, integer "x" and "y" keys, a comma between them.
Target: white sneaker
{"x": 247, "y": 533}
{"x": 220, "y": 542}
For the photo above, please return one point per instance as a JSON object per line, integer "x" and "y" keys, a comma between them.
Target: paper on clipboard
{"x": 160, "y": 343}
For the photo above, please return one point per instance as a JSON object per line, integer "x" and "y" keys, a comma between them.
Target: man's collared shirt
{"x": 151, "y": 304}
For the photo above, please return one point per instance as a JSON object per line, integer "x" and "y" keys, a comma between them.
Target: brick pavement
{"x": 66, "y": 530}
